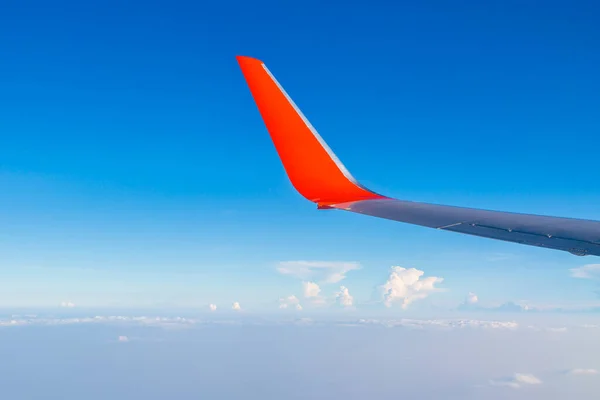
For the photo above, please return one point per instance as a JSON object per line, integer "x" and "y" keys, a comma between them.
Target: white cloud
{"x": 236, "y": 306}
{"x": 589, "y": 271}
{"x": 441, "y": 323}
{"x": 321, "y": 271}
{"x": 471, "y": 298}
{"x": 516, "y": 381}
{"x": 407, "y": 286}
{"x": 557, "y": 330}
{"x": 311, "y": 289}
{"x": 99, "y": 319}
{"x": 185, "y": 322}
{"x": 123, "y": 339}
{"x": 67, "y": 304}
{"x": 212, "y": 307}
{"x": 289, "y": 301}
{"x": 312, "y": 292}
{"x": 582, "y": 371}
{"x": 471, "y": 303}
{"x": 343, "y": 297}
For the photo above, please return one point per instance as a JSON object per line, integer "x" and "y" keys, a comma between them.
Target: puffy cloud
{"x": 289, "y": 301}
{"x": 312, "y": 292}
{"x": 471, "y": 302}
{"x": 321, "y": 271}
{"x": 212, "y": 307}
{"x": 516, "y": 381}
{"x": 343, "y": 297}
{"x": 311, "y": 289}
{"x": 67, "y": 304}
{"x": 582, "y": 371}
{"x": 123, "y": 339}
{"x": 236, "y": 306}
{"x": 471, "y": 298}
{"x": 589, "y": 271}
{"x": 407, "y": 286}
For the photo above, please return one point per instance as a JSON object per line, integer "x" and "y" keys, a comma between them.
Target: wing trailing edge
{"x": 319, "y": 176}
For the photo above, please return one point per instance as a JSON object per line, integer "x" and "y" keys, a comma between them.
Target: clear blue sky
{"x": 135, "y": 168}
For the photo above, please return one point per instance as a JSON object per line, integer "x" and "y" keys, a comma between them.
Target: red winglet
{"x": 309, "y": 163}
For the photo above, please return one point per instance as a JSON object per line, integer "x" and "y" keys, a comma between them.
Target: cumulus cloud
{"x": 290, "y": 301}
{"x": 471, "y": 302}
{"x": 67, "y": 304}
{"x": 321, "y": 271}
{"x": 406, "y": 286}
{"x": 471, "y": 298}
{"x": 516, "y": 381}
{"x": 589, "y": 271}
{"x": 312, "y": 292}
{"x": 311, "y": 289}
{"x": 236, "y": 306}
{"x": 582, "y": 371}
{"x": 212, "y": 307}
{"x": 123, "y": 339}
{"x": 343, "y": 297}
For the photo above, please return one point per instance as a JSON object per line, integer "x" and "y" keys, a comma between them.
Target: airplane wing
{"x": 319, "y": 176}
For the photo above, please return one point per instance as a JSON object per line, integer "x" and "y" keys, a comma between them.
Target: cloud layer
{"x": 319, "y": 271}
{"x": 582, "y": 371}
{"x": 589, "y": 271}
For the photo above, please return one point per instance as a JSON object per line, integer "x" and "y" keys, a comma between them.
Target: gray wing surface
{"x": 577, "y": 236}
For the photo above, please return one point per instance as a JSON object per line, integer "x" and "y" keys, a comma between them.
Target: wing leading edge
{"x": 319, "y": 176}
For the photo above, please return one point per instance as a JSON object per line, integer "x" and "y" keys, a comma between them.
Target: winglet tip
{"x": 246, "y": 60}
{"x": 311, "y": 166}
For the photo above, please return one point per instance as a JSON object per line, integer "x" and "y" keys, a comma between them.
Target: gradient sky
{"x": 135, "y": 169}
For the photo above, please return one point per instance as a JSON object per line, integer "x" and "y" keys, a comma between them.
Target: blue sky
{"x": 135, "y": 170}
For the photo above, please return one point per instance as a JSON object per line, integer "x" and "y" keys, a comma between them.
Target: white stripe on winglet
{"x": 331, "y": 154}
